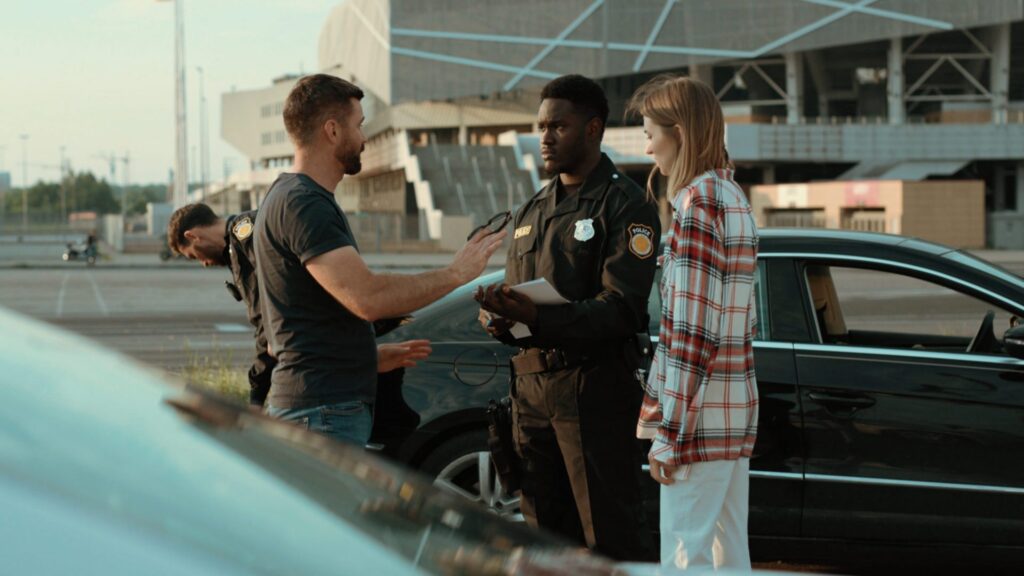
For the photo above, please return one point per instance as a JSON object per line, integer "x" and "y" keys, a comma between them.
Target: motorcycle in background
{"x": 85, "y": 252}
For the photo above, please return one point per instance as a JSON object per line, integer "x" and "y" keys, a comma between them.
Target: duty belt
{"x": 537, "y": 360}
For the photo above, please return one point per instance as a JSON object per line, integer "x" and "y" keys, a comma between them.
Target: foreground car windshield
{"x": 434, "y": 530}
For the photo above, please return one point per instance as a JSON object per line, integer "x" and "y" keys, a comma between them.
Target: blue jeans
{"x": 346, "y": 421}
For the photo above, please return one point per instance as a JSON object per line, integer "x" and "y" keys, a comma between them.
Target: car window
{"x": 869, "y": 307}
{"x": 987, "y": 267}
{"x": 760, "y": 298}
{"x": 654, "y": 305}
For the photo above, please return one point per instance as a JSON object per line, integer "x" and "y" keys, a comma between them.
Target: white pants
{"x": 704, "y": 517}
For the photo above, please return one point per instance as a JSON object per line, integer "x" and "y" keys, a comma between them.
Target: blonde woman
{"x": 700, "y": 409}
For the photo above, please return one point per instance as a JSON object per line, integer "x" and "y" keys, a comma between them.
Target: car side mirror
{"x": 1013, "y": 342}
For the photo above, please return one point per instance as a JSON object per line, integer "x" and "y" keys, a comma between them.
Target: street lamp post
{"x": 180, "y": 116}
{"x": 203, "y": 141}
{"x": 24, "y": 183}
{"x": 63, "y": 192}
{"x": 3, "y": 194}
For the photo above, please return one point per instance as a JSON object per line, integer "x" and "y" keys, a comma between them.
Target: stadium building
{"x": 831, "y": 107}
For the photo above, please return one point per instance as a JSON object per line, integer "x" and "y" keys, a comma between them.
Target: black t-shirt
{"x": 325, "y": 354}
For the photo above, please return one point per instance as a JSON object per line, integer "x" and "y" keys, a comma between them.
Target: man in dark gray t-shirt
{"x": 318, "y": 296}
{"x": 327, "y": 354}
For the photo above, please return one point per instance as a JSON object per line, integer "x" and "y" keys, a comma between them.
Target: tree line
{"x": 83, "y": 192}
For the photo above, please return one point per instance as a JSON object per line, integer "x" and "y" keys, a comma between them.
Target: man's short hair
{"x": 586, "y": 96}
{"x": 314, "y": 100}
{"x": 186, "y": 218}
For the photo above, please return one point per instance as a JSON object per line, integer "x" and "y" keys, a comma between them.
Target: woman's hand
{"x": 661, "y": 472}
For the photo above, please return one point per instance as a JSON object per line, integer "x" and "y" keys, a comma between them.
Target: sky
{"x": 97, "y": 77}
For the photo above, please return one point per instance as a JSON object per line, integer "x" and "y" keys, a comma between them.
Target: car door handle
{"x": 851, "y": 401}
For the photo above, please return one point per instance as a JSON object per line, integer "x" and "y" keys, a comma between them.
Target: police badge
{"x": 584, "y": 229}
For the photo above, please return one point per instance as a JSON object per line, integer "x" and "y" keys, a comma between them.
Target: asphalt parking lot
{"x": 163, "y": 317}
{"x": 169, "y": 315}
{"x": 166, "y": 314}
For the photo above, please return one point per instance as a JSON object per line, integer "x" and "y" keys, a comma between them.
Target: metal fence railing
{"x": 795, "y": 219}
{"x": 42, "y": 224}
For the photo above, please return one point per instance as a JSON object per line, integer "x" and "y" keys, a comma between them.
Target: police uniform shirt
{"x": 325, "y": 353}
{"x": 597, "y": 248}
{"x": 242, "y": 260}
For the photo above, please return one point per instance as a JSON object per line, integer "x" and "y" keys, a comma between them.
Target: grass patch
{"x": 216, "y": 372}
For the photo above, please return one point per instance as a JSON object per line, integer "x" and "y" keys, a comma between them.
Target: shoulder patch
{"x": 242, "y": 229}
{"x": 523, "y": 231}
{"x": 641, "y": 240}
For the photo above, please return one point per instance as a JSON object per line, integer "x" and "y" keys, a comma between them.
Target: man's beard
{"x": 353, "y": 165}
{"x": 352, "y": 162}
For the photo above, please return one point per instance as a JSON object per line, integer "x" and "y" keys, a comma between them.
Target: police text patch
{"x": 641, "y": 240}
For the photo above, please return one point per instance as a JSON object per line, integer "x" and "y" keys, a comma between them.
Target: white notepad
{"x": 541, "y": 292}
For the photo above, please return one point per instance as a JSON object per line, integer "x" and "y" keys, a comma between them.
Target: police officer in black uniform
{"x": 196, "y": 232}
{"x": 592, "y": 234}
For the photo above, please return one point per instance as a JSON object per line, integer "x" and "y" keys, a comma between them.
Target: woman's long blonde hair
{"x": 687, "y": 103}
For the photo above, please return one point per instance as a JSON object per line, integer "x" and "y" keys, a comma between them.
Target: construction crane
{"x": 126, "y": 162}
{"x": 111, "y": 161}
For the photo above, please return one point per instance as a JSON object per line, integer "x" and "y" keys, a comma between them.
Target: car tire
{"x": 462, "y": 466}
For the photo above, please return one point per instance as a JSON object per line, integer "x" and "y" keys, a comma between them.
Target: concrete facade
{"x": 867, "y": 91}
{"x": 413, "y": 50}
{"x": 251, "y": 121}
{"x": 947, "y": 212}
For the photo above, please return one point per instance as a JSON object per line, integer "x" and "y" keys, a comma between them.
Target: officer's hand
{"x": 507, "y": 303}
{"x": 486, "y": 296}
{"x": 471, "y": 260}
{"x": 662, "y": 473}
{"x": 494, "y": 325}
{"x": 402, "y": 355}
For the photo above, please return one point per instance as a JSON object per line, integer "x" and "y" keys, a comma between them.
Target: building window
{"x": 266, "y": 138}
{"x": 268, "y": 110}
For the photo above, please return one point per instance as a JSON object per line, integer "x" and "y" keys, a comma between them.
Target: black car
{"x": 890, "y": 416}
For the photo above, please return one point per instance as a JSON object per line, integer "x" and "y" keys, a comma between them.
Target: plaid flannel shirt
{"x": 701, "y": 397}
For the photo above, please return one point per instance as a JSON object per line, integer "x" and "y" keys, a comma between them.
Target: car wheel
{"x": 462, "y": 466}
